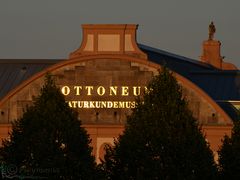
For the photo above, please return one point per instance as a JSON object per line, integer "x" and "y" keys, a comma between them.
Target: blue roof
{"x": 229, "y": 109}
{"x": 14, "y": 72}
{"x": 219, "y": 84}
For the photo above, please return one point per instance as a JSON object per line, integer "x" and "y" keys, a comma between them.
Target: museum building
{"x": 102, "y": 79}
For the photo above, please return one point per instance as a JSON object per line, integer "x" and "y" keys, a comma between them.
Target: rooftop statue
{"x": 211, "y": 30}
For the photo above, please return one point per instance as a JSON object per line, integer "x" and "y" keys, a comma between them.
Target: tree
{"x": 229, "y": 154}
{"x": 161, "y": 139}
{"x": 48, "y": 141}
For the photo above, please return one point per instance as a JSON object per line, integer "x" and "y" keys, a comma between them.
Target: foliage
{"x": 229, "y": 154}
{"x": 48, "y": 141}
{"x": 161, "y": 139}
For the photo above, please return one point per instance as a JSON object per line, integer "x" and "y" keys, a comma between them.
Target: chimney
{"x": 109, "y": 39}
{"x": 212, "y": 52}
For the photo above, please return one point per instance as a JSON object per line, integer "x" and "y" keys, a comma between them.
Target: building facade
{"x": 102, "y": 79}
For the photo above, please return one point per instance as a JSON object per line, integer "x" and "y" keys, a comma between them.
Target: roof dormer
{"x": 109, "y": 39}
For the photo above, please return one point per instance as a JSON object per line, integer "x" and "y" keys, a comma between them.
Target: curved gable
{"x": 111, "y": 79}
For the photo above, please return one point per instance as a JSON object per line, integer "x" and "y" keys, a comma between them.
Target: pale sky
{"x": 51, "y": 29}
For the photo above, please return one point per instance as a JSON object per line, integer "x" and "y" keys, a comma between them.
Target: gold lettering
{"x": 146, "y": 91}
{"x": 135, "y": 91}
{"x": 92, "y": 104}
{"x": 104, "y": 104}
{"x": 101, "y": 90}
{"x": 113, "y": 90}
{"x": 70, "y": 104}
{"x": 121, "y": 104}
{"x": 74, "y": 103}
{"x": 65, "y": 90}
{"x": 97, "y": 104}
{"x": 80, "y": 104}
{"x": 125, "y": 91}
{"x": 89, "y": 90}
{"x": 133, "y": 105}
{"x": 85, "y": 104}
{"x": 109, "y": 104}
{"x": 127, "y": 104}
{"x": 77, "y": 88}
{"x": 115, "y": 104}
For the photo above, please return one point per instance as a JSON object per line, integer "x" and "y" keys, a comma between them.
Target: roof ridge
{"x": 175, "y": 56}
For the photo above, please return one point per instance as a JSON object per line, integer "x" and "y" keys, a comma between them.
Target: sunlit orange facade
{"x": 103, "y": 77}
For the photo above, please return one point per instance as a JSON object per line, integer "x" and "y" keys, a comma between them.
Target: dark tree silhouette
{"x": 229, "y": 154}
{"x": 48, "y": 141}
{"x": 161, "y": 140}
